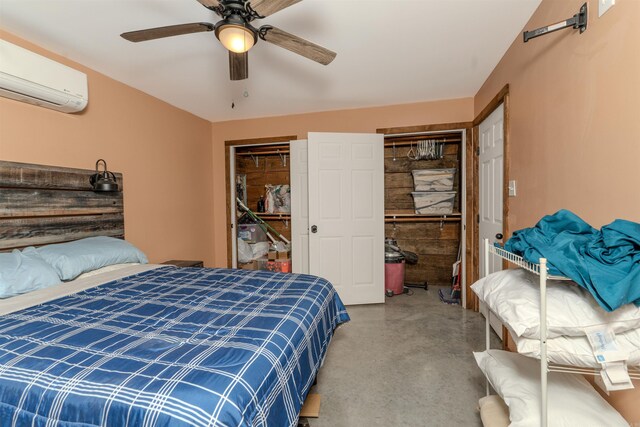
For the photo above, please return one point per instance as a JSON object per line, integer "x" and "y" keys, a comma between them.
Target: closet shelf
{"x": 273, "y": 215}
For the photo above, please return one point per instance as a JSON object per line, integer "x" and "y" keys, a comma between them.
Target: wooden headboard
{"x": 47, "y": 204}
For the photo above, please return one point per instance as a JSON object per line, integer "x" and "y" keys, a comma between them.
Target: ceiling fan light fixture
{"x": 236, "y": 38}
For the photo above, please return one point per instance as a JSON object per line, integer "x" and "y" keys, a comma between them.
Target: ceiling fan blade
{"x": 238, "y": 65}
{"x": 296, "y": 44}
{"x": 269, "y": 7}
{"x": 209, "y": 4}
{"x": 171, "y": 30}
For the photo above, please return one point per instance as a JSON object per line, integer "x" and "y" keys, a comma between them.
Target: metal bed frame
{"x": 541, "y": 270}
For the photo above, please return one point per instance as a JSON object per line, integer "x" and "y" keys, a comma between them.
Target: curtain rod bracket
{"x": 578, "y": 22}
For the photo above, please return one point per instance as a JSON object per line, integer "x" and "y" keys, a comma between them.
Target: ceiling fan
{"x": 237, "y": 35}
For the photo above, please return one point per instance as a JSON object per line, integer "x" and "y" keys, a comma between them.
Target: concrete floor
{"x": 404, "y": 363}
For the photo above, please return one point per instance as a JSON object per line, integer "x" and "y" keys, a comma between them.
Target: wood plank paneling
{"x": 398, "y": 179}
{"x": 240, "y": 143}
{"x": 423, "y": 231}
{"x": 28, "y": 202}
{"x": 435, "y": 244}
{"x": 24, "y": 175}
{"x": 405, "y": 164}
{"x": 16, "y": 232}
{"x": 270, "y": 170}
{"x": 49, "y": 204}
{"x": 436, "y": 247}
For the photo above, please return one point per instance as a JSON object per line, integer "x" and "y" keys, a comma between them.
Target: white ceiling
{"x": 389, "y": 51}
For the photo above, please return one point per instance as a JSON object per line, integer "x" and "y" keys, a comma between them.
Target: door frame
{"x": 473, "y": 252}
{"x": 229, "y": 153}
{"x": 468, "y": 217}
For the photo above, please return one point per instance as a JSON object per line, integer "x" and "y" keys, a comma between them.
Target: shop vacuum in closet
{"x": 394, "y": 264}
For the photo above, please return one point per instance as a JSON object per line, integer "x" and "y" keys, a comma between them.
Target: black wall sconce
{"x": 103, "y": 181}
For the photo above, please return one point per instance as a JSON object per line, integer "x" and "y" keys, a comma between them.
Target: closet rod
{"x": 262, "y": 153}
{"x": 413, "y": 142}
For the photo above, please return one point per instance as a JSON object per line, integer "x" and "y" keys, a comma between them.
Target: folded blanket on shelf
{"x": 606, "y": 262}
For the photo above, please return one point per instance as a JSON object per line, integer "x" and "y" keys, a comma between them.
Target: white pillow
{"x": 514, "y": 297}
{"x": 572, "y": 401}
{"x": 576, "y": 351}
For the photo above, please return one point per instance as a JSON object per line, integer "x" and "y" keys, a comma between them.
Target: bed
{"x": 148, "y": 345}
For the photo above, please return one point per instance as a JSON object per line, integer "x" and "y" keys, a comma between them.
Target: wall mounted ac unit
{"x": 28, "y": 77}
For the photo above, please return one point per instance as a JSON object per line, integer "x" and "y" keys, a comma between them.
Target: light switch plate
{"x": 604, "y": 5}
{"x": 512, "y": 188}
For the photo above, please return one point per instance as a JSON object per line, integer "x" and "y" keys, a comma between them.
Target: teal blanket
{"x": 606, "y": 262}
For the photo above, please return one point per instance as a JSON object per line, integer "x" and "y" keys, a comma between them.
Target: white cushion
{"x": 572, "y": 401}
{"x": 514, "y": 297}
{"x": 577, "y": 351}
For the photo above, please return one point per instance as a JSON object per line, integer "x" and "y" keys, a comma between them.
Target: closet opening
{"x": 426, "y": 203}
{"x": 258, "y": 187}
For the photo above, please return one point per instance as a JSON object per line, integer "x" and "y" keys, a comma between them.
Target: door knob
{"x": 499, "y": 236}
{"x": 314, "y": 228}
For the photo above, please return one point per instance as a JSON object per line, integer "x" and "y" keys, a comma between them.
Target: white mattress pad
{"x": 20, "y": 302}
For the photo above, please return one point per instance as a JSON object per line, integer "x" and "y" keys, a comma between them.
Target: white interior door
{"x": 491, "y": 173}
{"x": 299, "y": 155}
{"x": 346, "y": 214}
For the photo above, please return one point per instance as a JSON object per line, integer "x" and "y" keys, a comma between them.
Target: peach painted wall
{"x": 575, "y": 123}
{"x": 575, "y": 115}
{"x": 149, "y": 141}
{"x": 356, "y": 120}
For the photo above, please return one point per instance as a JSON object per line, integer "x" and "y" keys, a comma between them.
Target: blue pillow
{"x": 74, "y": 258}
{"x": 24, "y": 272}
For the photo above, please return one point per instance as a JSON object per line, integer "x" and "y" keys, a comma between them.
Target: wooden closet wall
{"x": 264, "y": 165}
{"x": 257, "y": 177}
{"x": 434, "y": 238}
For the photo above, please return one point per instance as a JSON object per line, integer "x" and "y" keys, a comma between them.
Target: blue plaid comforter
{"x": 169, "y": 347}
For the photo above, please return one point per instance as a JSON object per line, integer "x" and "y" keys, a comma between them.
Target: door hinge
{"x": 477, "y": 151}
{"x": 478, "y": 218}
